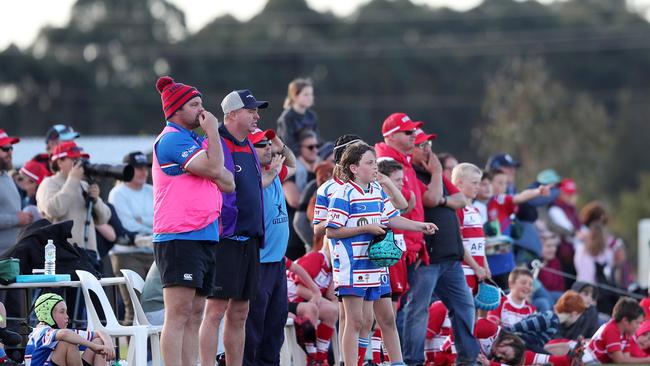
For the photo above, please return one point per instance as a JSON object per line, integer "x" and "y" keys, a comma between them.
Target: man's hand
{"x": 209, "y": 122}
{"x": 433, "y": 165}
{"x": 375, "y": 229}
{"x": 77, "y": 171}
{"x": 276, "y": 163}
{"x": 428, "y": 228}
{"x": 24, "y": 218}
{"x": 316, "y": 299}
{"x": 93, "y": 191}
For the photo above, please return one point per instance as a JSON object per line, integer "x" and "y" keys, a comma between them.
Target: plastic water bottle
{"x": 50, "y": 258}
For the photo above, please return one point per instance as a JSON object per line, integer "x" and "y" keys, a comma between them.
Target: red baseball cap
{"x": 35, "y": 171}
{"x": 568, "y": 186}
{"x": 643, "y": 328}
{"x": 6, "y": 139}
{"x": 421, "y": 137}
{"x": 68, "y": 149}
{"x": 258, "y": 135}
{"x": 398, "y": 122}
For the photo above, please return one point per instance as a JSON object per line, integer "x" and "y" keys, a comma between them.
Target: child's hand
{"x": 375, "y": 229}
{"x": 544, "y": 190}
{"x": 428, "y": 228}
{"x": 483, "y": 360}
{"x": 382, "y": 179}
{"x": 481, "y": 274}
{"x": 106, "y": 351}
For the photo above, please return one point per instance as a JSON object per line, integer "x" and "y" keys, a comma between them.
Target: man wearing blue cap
{"x": 242, "y": 224}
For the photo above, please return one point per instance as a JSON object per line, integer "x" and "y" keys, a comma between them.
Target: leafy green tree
{"x": 536, "y": 119}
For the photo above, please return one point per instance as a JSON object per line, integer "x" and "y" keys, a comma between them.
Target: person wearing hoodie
{"x": 587, "y": 324}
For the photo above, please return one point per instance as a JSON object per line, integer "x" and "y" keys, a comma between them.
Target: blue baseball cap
{"x": 61, "y": 132}
{"x": 238, "y": 99}
{"x": 499, "y": 161}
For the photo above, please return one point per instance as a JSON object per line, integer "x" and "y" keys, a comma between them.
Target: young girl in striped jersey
{"x": 358, "y": 212}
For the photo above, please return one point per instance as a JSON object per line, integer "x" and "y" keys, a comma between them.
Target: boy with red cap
{"x": 30, "y": 177}
{"x": 186, "y": 231}
{"x": 11, "y": 216}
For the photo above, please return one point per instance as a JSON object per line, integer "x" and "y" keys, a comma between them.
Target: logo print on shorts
{"x": 187, "y": 277}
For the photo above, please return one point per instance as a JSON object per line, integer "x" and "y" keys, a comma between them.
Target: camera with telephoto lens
{"x": 123, "y": 172}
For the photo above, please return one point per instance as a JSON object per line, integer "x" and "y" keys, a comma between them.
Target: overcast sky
{"x": 20, "y": 20}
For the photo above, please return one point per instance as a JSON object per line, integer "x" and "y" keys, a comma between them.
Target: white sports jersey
{"x": 350, "y": 206}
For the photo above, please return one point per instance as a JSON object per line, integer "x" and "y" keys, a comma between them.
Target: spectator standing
{"x": 133, "y": 202}
{"x": 306, "y": 162}
{"x": 442, "y": 274}
{"x": 11, "y": 216}
{"x": 268, "y": 310}
{"x": 297, "y": 115}
{"x": 237, "y": 257}
{"x": 508, "y": 165}
{"x": 31, "y": 175}
{"x": 66, "y": 196}
{"x": 186, "y": 231}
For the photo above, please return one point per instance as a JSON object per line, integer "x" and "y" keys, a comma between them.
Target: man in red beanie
{"x": 188, "y": 178}
{"x": 11, "y": 217}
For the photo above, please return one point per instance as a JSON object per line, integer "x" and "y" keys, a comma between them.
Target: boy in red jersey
{"x": 467, "y": 178}
{"x": 611, "y": 343}
{"x": 515, "y": 306}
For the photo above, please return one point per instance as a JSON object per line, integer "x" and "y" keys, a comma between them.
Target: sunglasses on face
{"x": 7, "y": 148}
{"x": 424, "y": 144}
{"x": 311, "y": 147}
{"x": 262, "y": 144}
{"x": 409, "y": 133}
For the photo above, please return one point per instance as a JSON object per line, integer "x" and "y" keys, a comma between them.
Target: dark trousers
{"x": 267, "y": 316}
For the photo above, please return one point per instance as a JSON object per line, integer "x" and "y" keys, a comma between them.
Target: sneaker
{"x": 221, "y": 359}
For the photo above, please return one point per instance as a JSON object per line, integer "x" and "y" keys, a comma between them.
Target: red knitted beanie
{"x": 174, "y": 95}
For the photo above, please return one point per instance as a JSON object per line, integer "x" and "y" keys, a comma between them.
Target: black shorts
{"x": 187, "y": 263}
{"x": 237, "y": 269}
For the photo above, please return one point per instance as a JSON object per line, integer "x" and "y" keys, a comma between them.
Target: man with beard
{"x": 242, "y": 236}
{"x": 11, "y": 217}
{"x": 188, "y": 178}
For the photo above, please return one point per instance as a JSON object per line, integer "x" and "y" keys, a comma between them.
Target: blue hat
{"x": 241, "y": 99}
{"x": 499, "y": 161}
{"x": 326, "y": 150}
{"x": 548, "y": 176}
{"x": 61, "y": 132}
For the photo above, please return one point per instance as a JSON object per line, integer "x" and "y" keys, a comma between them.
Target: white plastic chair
{"x": 291, "y": 353}
{"x": 135, "y": 283}
{"x": 137, "y": 354}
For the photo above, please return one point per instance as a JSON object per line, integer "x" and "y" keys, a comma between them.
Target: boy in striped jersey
{"x": 51, "y": 344}
{"x": 358, "y": 212}
{"x": 467, "y": 177}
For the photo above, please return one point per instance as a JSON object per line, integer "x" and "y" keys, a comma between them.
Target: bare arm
{"x": 306, "y": 279}
{"x": 402, "y": 223}
{"x": 396, "y": 197}
{"x": 210, "y": 163}
{"x": 72, "y": 337}
{"x": 273, "y": 170}
{"x": 433, "y": 195}
{"x": 107, "y": 231}
{"x": 529, "y": 194}
{"x": 291, "y": 194}
{"x": 346, "y": 232}
{"x": 625, "y": 358}
{"x": 456, "y": 201}
{"x": 319, "y": 229}
{"x": 480, "y": 271}
{"x": 289, "y": 158}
